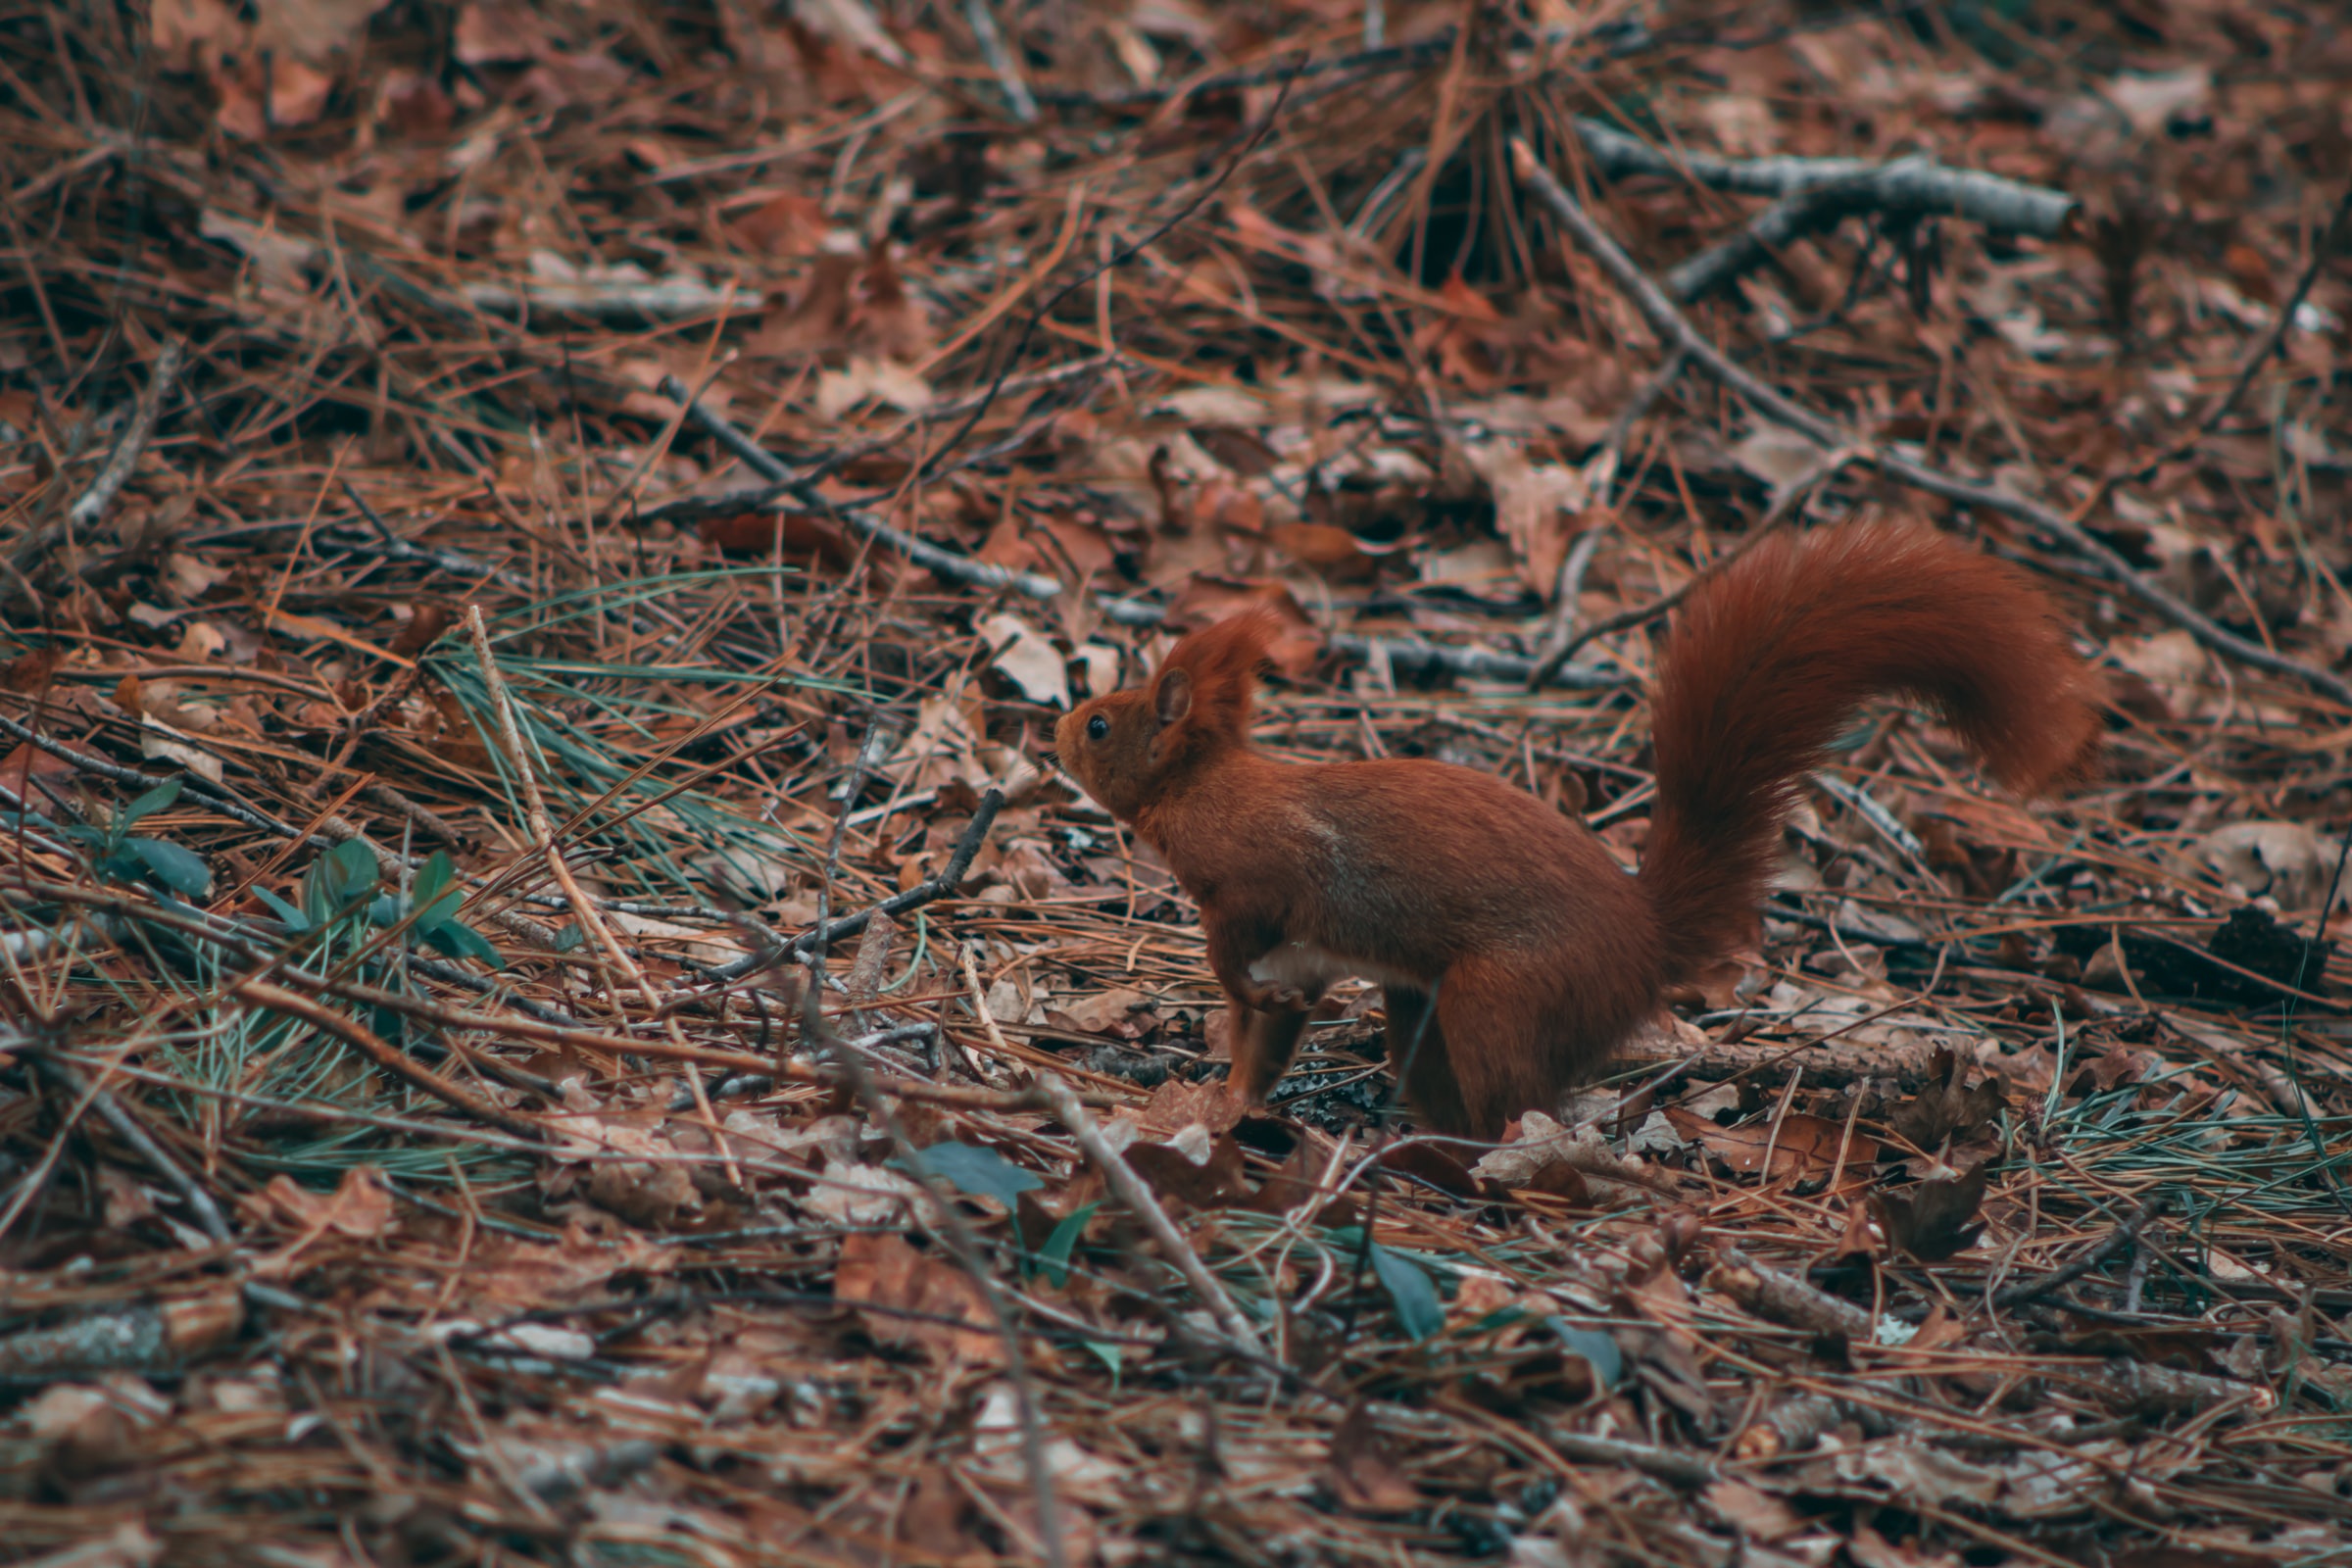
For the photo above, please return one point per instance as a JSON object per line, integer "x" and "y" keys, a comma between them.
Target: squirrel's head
{"x": 1128, "y": 748}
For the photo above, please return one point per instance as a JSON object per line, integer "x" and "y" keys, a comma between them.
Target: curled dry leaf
{"x": 787, "y": 223}
{"x": 1948, "y": 1107}
{"x": 359, "y": 1207}
{"x": 867, "y": 378}
{"x": 1777, "y": 456}
{"x": 1932, "y": 1220}
{"x": 1527, "y": 1162}
{"x": 1176, "y": 1104}
{"x": 1333, "y": 552}
{"x": 160, "y": 742}
{"x": 1218, "y": 1181}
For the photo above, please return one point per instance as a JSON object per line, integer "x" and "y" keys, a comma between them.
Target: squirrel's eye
{"x": 1096, "y": 727}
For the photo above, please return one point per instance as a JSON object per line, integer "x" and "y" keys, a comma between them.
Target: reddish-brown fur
{"x": 1541, "y": 952}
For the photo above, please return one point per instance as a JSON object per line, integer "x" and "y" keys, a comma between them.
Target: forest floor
{"x": 528, "y": 532}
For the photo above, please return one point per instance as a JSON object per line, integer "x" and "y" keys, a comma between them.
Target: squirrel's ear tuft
{"x": 1172, "y": 695}
{"x": 1219, "y": 668}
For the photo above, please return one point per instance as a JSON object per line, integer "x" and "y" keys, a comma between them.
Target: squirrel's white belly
{"x": 1314, "y": 969}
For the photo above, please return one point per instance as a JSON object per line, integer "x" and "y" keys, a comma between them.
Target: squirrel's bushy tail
{"x": 1771, "y": 659}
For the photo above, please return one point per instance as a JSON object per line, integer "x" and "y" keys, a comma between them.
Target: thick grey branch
{"x": 1908, "y": 185}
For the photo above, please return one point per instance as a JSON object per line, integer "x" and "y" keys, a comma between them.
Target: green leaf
{"x": 318, "y": 907}
{"x": 977, "y": 1169}
{"x": 1410, "y": 1293}
{"x": 435, "y": 899}
{"x": 1113, "y": 1356}
{"x": 181, "y": 870}
{"x": 461, "y": 941}
{"x": 147, "y": 804}
{"x": 1595, "y": 1348}
{"x": 354, "y": 869}
{"x": 336, "y": 879}
{"x": 282, "y": 910}
{"x": 1053, "y": 1259}
{"x": 385, "y": 910}
{"x": 437, "y": 872}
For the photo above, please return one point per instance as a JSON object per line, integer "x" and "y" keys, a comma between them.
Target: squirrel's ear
{"x": 1172, "y": 696}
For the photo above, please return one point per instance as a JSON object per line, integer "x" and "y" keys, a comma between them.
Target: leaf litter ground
{"x": 533, "y": 531}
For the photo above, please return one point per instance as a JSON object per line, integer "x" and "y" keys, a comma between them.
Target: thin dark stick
{"x": 824, "y": 932}
{"x": 394, "y": 548}
{"x": 2119, "y": 1239}
{"x": 2283, "y": 324}
{"x": 212, "y": 796}
{"x": 1476, "y": 663}
{"x": 367, "y": 1043}
{"x": 2212, "y": 418}
{"x": 530, "y": 1020}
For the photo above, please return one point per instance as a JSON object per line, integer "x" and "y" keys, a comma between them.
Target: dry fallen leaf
{"x": 1932, "y": 1220}
{"x": 2284, "y": 860}
{"x": 1535, "y": 507}
{"x": 1364, "y": 1473}
{"x": 883, "y": 1273}
{"x": 1798, "y": 1147}
{"x": 1024, "y": 657}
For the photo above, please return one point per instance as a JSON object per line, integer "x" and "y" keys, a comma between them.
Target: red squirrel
{"x": 1514, "y": 951}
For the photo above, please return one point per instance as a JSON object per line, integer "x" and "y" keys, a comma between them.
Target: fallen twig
{"x": 2211, "y": 420}
{"x": 528, "y": 1021}
{"x": 953, "y": 1228}
{"x": 118, "y": 467}
{"x": 1916, "y": 185}
{"x": 1129, "y": 1188}
{"x": 2119, "y": 1239}
{"x": 1784, "y": 1298}
{"x": 991, "y": 41}
{"x": 1784, "y": 507}
{"x": 756, "y": 498}
{"x": 620, "y": 297}
{"x": 367, "y": 1043}
{"x": 126, "y": 1127}
{"x": 951, "y": 875}
{"x": 1786, "y": 222}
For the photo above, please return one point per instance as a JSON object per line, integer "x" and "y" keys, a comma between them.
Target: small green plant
{"x": 121, "y": 856}
{"x": 345, "y": 877}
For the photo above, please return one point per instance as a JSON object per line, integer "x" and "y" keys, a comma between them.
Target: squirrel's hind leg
{"x": 1417, "y": 1056}
{"x": 1513, "y": 1038}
